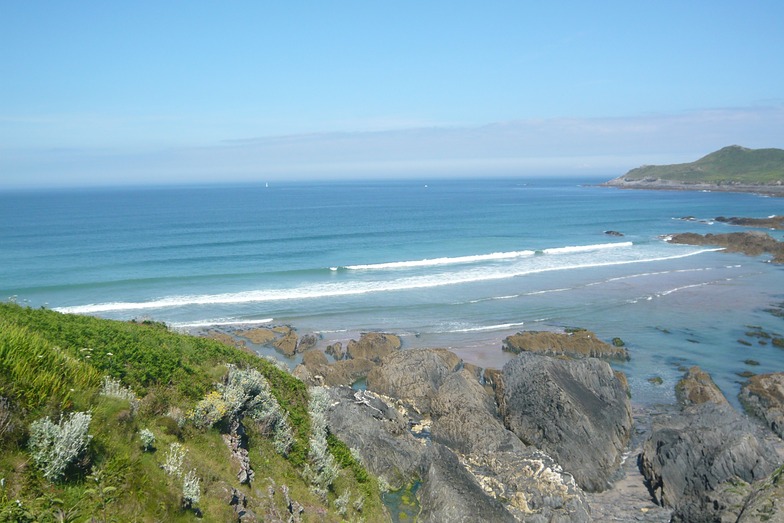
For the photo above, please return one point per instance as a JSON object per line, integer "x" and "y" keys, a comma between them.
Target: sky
{"x": 149, "y": 92}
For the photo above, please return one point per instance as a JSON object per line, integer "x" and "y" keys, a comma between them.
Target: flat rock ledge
{"x": 751, "y": 243}
{"x": 574, "y": 344}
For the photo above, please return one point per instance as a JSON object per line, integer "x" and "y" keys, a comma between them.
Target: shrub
{"x": 341, "y": 503}
{"x": 174, "y": 458}
{"x": 148, "y": 439}
{"x": 191, "y": 491}
{"x": 246, "y": 393}
{"x": 54, "y": 447}
{"x": 115, "y": 389}
{"x": 322, "y": 469}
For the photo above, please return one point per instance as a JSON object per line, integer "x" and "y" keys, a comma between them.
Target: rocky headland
{"x": 730, "y": 169}
{"x": 551, "y": 436}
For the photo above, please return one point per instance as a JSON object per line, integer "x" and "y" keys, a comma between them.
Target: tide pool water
{"x": 457, "y": 264}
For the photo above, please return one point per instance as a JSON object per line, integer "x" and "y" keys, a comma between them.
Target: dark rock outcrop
{"x": 613, "y": 233}
{"x": 375, "y": 429}
{"x": 577, "y": 411}
{"x": 413, "y": 375}
{"x": 574, "y": 344}
{"x": 373, "y": 346}
{"x": 529, "y": 482}
{"x": 702, "y": 460}
{"x": 307, "y": 342}
{"x": 450, "y": 493}
{"x": 763, "y": 397}
{"x": 697, "y": 387}
{"x": 336, "y": 350}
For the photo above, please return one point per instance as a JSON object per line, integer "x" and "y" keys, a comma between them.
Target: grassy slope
{"x": 52, "y": 363}
{"x": 732, "y": 164}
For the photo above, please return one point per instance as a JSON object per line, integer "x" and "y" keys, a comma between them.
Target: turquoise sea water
{"x": 457, "y": 264}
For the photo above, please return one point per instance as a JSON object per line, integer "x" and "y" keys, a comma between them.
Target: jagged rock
{"x": 336, "y": 350}
{"x": 373, "y": 346}
{"x": 413, "y": 375}
{"x": 527, "y": 481}
{"x": 238, "y": 445}
{"x": 702, "y": 460}
{"x": 613, "y": 233}
{"x": 577, "y": 411}
{"x": 530, "y": 484}
{"x": 239, "y": 501}
{"x": 286, "y": 344}
{"x": 697, "y": 387}
{"x": 316, "y": 370}
{"x": 307, "y": 342}
{"x": 574, "y": 344}
{"x": 450, "y": 493}
{"x": 378, "y": 432}
{"x": 766, "y": 503}
{"x": 763, "y": 397}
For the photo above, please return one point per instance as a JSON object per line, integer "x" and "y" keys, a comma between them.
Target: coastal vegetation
{"x": 127, "y": 421}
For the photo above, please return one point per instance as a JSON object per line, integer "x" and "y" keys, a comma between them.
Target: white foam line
{"x": 502, "y": 326}
{"x": 332, "y": 290}
{"x": 219, "y": 323}
{"x": 483, "y": 257}
{"x": 587, "y": 248}
{"x": 440, "y": 261}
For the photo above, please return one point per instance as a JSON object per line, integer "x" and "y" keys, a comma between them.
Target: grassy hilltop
{"x": 124, "y": 421}
{"x": 730, "y": 166}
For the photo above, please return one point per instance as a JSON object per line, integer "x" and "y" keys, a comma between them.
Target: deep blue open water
{"x": 457, "y": 264}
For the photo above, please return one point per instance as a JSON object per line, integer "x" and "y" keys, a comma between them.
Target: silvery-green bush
{"x": 55, "y": 446}
{"x": 174, "y": 459}
{"x": 245, "y": 392}
{"x": 322, "y": 469}
{"x": 191, "y": 491}
{"x": 115, "y": 389}
{"x": 148, "y": 439}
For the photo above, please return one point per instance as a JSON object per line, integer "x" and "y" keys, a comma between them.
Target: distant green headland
{"x": 732, "y": 168}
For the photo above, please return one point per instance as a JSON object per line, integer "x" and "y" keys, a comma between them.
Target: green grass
{"x": 52, "y": 363}
{"x": 729, "y": 165}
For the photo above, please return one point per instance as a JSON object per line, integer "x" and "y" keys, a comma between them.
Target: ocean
{"x": 443, "y": 263}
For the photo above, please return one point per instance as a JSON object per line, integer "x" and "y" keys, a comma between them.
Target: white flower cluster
{"x": 55, "y": 446}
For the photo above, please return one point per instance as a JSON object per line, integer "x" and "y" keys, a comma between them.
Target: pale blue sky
{"x": 169, "y": 92}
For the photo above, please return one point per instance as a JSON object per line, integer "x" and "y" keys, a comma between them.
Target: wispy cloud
{"x": 606, "y": 146}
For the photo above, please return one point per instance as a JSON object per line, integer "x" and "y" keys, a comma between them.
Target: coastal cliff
{"x": 731, "y": 169}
